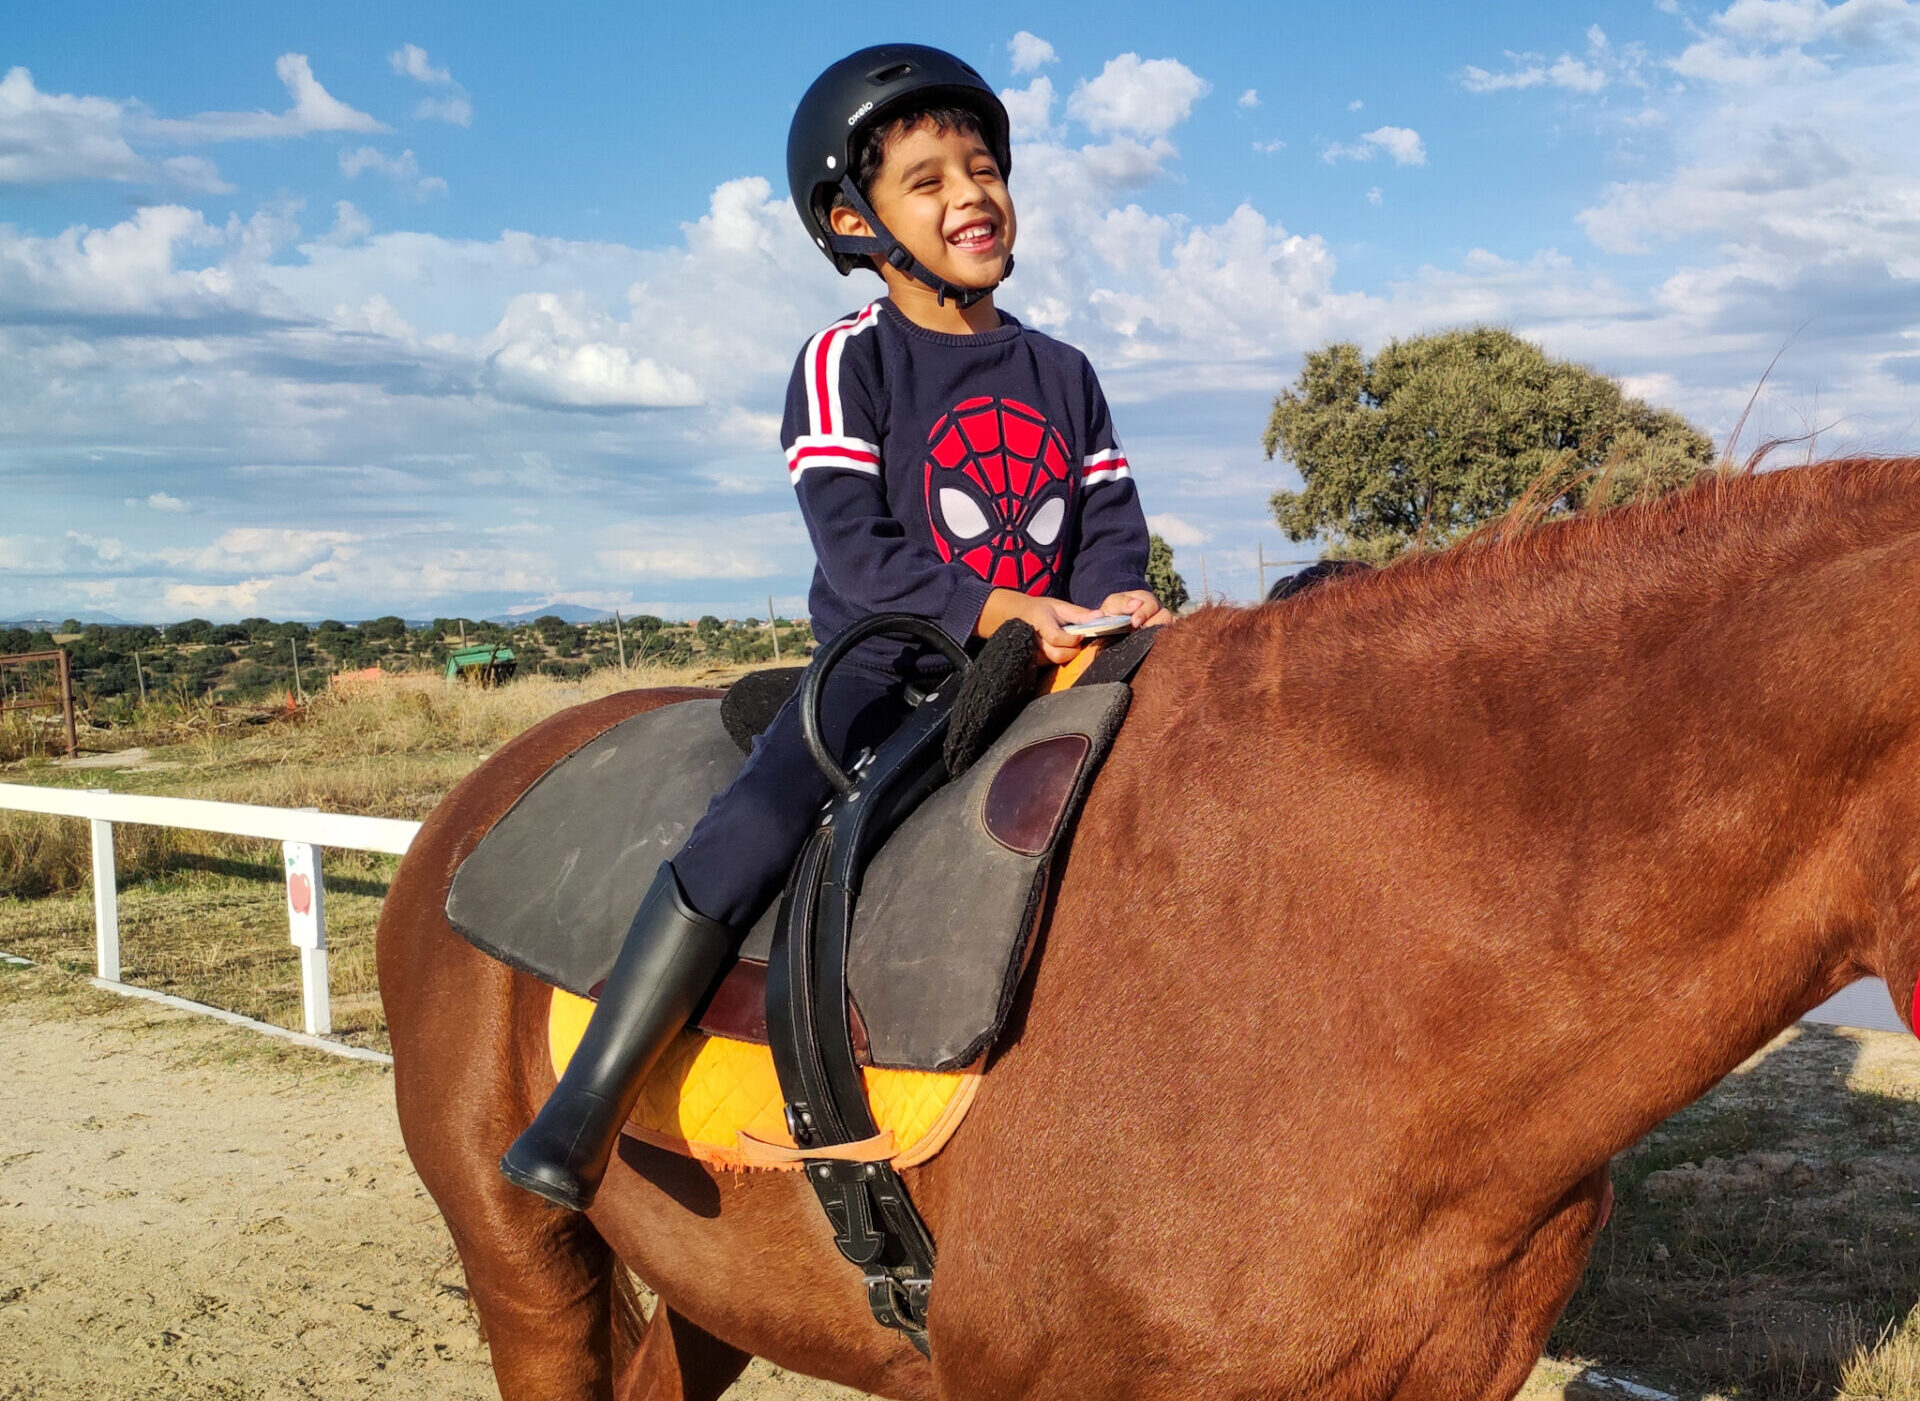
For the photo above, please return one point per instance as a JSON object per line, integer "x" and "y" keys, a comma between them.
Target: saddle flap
{"x": 948, "y": 909}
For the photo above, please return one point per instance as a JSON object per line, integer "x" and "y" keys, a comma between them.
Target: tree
{"x": 1438, "y": 434}
{"x": 1167, "y": 585}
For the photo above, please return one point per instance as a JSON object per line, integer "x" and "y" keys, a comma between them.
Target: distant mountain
{"x": 104, "y": 619}
{"x": 565, "y": 612}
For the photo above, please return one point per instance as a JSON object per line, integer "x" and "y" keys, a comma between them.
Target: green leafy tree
{"x": 1162, "y": 578}
{"x": 1438, "y": 434}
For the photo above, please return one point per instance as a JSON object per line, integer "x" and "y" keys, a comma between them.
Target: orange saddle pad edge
{"x": 719, "y": 1101}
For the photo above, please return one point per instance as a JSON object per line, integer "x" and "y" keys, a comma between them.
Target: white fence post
{"x": 106, "y": 903}
{"x": 307, "y": 924}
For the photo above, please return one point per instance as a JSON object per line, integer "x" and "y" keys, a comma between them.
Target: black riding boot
{"x": 665, "y": 967}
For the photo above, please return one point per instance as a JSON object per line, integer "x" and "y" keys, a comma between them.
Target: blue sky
{"x": 457, "y": 309}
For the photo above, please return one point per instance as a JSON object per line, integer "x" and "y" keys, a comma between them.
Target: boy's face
{"x": 941, "y": 194}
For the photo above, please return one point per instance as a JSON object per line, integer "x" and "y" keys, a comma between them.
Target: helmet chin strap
{"x": 892, "y": 251}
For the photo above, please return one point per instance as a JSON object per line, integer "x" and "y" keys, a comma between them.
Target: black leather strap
{"x": 809, "y": 1025}
{"x": 1118, "y": 661}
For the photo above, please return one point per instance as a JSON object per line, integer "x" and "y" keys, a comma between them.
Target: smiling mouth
{"x": 975, "y": 238}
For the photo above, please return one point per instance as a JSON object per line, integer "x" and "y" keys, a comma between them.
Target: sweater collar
{"x": 1005, "y": 331}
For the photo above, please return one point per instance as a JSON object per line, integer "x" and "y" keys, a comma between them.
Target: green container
{"x": 487, "y": 665}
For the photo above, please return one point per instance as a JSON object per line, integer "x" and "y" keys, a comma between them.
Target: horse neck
{"x": 1621, "y": 826}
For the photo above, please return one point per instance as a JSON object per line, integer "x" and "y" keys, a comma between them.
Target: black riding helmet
{"x": 848, "y": 99}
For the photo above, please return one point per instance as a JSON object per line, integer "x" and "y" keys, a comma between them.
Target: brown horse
{"x": 1397, "y": 911}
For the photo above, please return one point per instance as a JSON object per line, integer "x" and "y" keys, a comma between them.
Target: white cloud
{"x": 1176, "y": 532}
{"x": 245, "y": 549}
{"x": 1602, "y": 65}
{"x": 403, "y": 170}
{"x": 1029, "y": 109}
{"x": 1355, "y": 105}
{"x": 1374, "y": 197}
{"x": 194, "y": 173}
{"x": 314, "y": 109}
{"x": 1137, "y": 97}
{"x": 51, "y": 137}
{"x": 160, "y": 501}
{"x": 349, "y": 224}
{"x": 142, "y": 267}
{"x": 1249, "y": 98}
{"x": 1029, "y": 52}
{"x": 456, "y": 110}
{"x": 1268, "y": 148}
{"x": 454, "y": 107}
{"x": 692, "y": 561}
{"x": 1403, "y": 144}
{"x": 547, "y": 351}
{"x": 410, "y": 61}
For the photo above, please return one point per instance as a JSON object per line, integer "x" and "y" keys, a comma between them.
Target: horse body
{"x": 1396, "y": 912}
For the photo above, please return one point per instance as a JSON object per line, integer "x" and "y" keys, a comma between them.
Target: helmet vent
{"x": 888, "y": 75}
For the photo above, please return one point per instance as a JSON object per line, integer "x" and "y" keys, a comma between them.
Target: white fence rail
{"x": 302, "y": 833}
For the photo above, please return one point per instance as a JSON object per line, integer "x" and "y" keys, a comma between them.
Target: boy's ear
{"x": 846, "y": 221}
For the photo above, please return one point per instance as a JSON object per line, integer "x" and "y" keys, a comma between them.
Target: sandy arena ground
{"x": 193, "y": 1211}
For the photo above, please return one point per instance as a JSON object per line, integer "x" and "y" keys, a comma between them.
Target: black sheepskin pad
{"x": 995, "y": 689}
{"x": 751, "y": 702}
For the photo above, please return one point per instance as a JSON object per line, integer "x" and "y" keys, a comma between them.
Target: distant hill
{"x": 565, "y": 612}
{"x": 104, "y": 619}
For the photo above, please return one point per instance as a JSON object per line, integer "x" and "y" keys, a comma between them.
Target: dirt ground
{"x": 192, "y": 1211}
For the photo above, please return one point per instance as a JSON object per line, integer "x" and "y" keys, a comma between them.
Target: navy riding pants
{"x": 736, "y": 859}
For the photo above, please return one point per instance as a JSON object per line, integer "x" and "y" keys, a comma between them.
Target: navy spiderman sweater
{"x": 934, "y": 468}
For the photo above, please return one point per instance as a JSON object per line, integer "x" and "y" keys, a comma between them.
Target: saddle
{"x": 847, "y": 1037}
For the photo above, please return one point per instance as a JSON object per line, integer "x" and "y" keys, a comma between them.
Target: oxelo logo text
{"x": 865, "y": 108}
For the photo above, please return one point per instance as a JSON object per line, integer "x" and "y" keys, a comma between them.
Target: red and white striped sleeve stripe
{"x": 826, "y": 443}
{"x": 1108, "y": 466}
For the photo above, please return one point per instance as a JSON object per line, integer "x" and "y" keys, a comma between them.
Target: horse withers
{"x": 1397, "y": 910}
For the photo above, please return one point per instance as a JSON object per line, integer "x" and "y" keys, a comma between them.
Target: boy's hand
{"x": 1140, "y": 605}
{"x": 1048, "y": 618}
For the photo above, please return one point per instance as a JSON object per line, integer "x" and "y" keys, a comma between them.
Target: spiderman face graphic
{"x": 998, "y": 492}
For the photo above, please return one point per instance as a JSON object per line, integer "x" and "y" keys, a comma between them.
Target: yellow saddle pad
{"x": 719, "y": 1100}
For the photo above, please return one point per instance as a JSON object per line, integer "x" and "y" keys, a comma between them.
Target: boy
{"x": 949, "y": 463}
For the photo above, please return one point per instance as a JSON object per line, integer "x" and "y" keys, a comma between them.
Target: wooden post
{"x": 106, "y": 902}
{"x": 773, "y": 625}
{"x": 620, "y": 637}
{"x": 141, "y": 676}
{"x": 298, "y": 690}
{"x": 1206, "y": 595}
{"x": 307, "y": 927}
{"x": 66, "y": 702}
{"x": 1261, "y": 550}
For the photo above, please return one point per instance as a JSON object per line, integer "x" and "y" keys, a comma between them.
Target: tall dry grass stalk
{"x": 392, "y": 749}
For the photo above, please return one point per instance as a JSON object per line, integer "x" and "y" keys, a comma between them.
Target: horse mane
{"x": 1729, "y": 523}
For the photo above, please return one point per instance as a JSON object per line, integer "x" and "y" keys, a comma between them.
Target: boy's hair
{"x": 870, "y": 153}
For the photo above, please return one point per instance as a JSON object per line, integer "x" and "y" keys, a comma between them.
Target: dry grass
{"x": 201, "y": 915}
